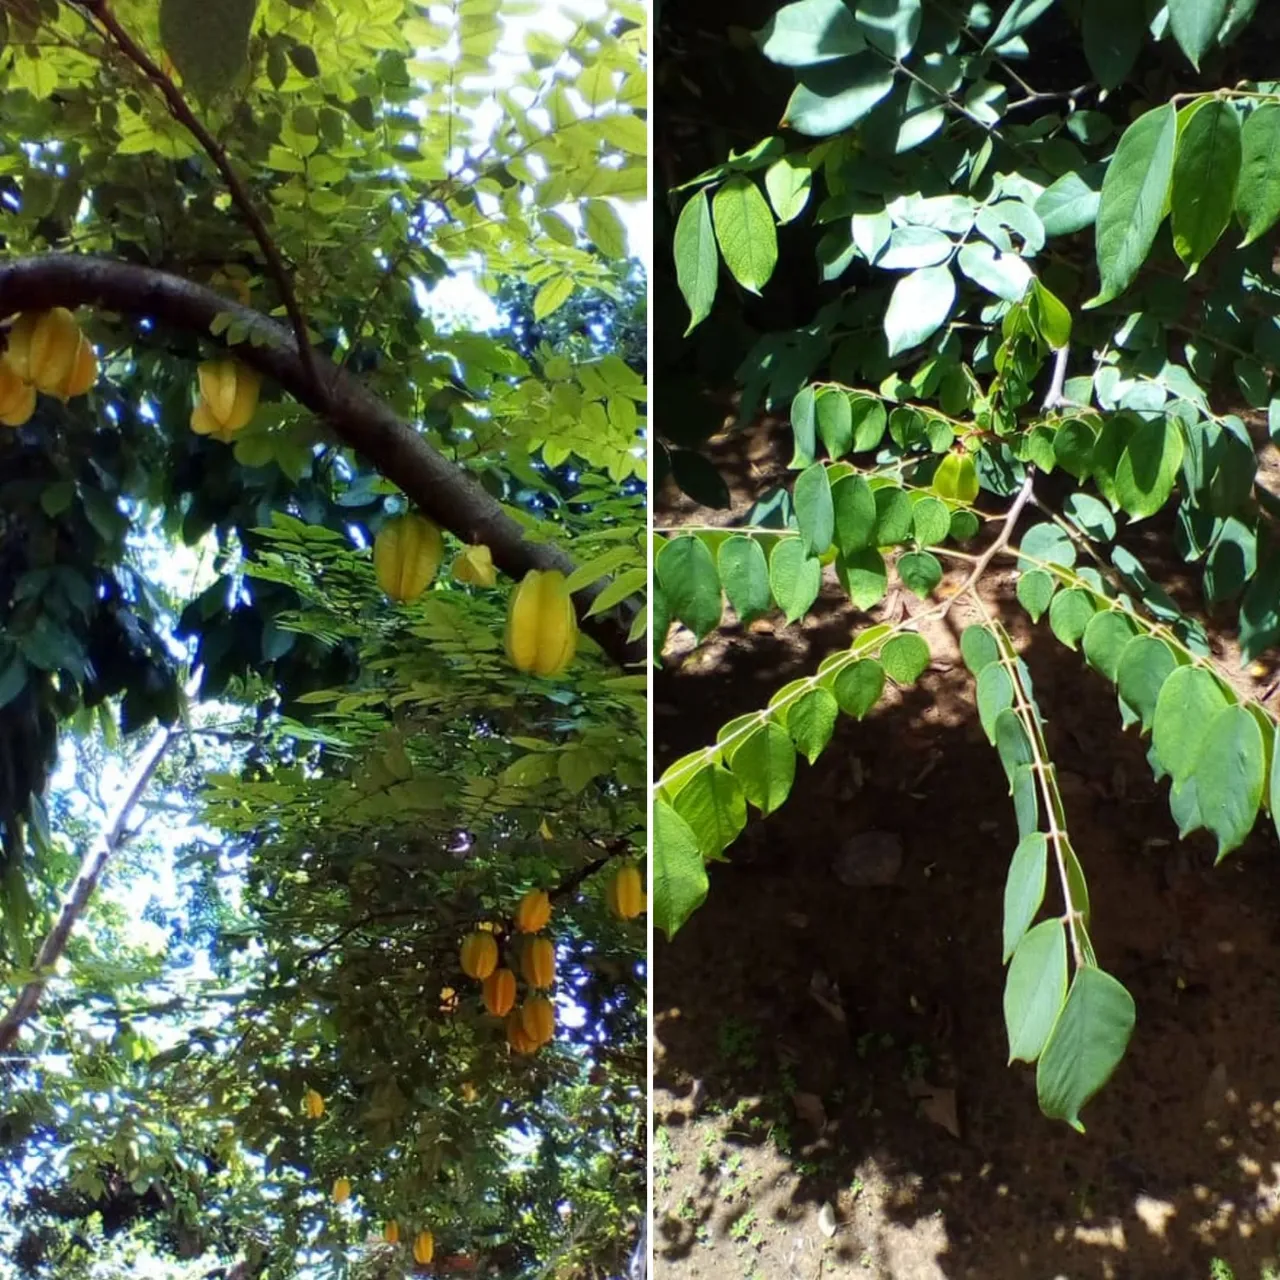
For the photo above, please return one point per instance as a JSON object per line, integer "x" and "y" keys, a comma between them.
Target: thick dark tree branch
{"x": 216, "y": 152}
{"x": 444, "y": 492}
{"x": 81, "y": 890}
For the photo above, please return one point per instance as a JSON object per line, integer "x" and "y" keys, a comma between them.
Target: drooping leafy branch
{"x": 952, "y": 195}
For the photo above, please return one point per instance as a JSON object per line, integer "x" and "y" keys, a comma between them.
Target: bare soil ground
{"x": 832, "y": 1095}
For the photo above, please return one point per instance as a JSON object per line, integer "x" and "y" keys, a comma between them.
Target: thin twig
{"x": 1006, "y": 532}
{"x": 216, "y": 152}
{"x": 86, "y": 881}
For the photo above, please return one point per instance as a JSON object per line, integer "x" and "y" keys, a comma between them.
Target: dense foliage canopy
{"x": 260, "y": 206}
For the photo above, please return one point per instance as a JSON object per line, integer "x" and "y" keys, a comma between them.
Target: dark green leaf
{"x": 745, "y": 575}
{"x": 690, "y": 584}
{"x": 810, "y": 32}
{"x": 905, "y": 657}
{"x": 918, "y": 307}
{"x": 811, "y": 720}
{"x": 1230, "y": 776}
{"x": 711, "y": 802}
{"x": 1145, "y": 664}
{"x": 857, "y": 687}
{"x": 208, "y": 43}
{"x": 764, "y": 763}
{"x": 1258, "y": 191}
{"x": 978, "y": 647}
{"x": 795, "y": 578}
{"x": 1024, "y": 889}
{"x": 854, "y": 505}
{"x": 697, "y": 261}
{"x": 1204, "y": 180}
{"x": 835, "y": 422}
{"x": 1189, "y": 700}
{"x": 679, "y": 873}
{"x": 920, "y": 572}
{"x": 1035, "y": 591}
{"x": 1195, "y": 25}
{"x": 832, "y": 97}
{"x": 1034, "y": 989}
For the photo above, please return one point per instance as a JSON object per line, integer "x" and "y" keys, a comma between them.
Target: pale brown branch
{"x": 446, "y": 493}
{"x": 216, "y": 152}
{"x": 86, "y": 881}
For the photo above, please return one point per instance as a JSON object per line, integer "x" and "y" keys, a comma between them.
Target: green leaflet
{"x": 978, "y": 648}
{"x": 679, "y": 873}
{"x": 745, "y": 231}
{"x": 931, "y": 522}
{"x": 854, "y": 505}
{"x": 795, "y": 578}
{"x": 788, "y": 182}
{"x": 1146, "y": 662}
{"x": 1035, "y": 591}
{"x": 803, "y": 427}
{"x": 1189, "y": 700}
{"x": 1258, "y": 191}
{"x": 1104, "y": 640}
{"x": 1230, "y": 774}
{"x": 1012, "y": 744}
{"x": 864, "y": 576}
{"x": 815, "y": 513}
{"x": 810, "y": 32}
{"x": 905, "y": 657}
{"x": 1133, "y": 199}
{"x": 1113, "y": 32}
{"x": 690, "y": 585}
{"x": 835, "y": 422}
{"x": 893, "y": 516}
{"x": 711, "y": 802}
{"x": 1067, "y": 205}
{"x": 697, "y": 261}
{"x": 1017, "y": 17}
{"x": 1088, "y": 1041}
{"x": 1034, "y": 989}
{"x": 830, "y": 98}
{"x": 1195, "y": 25}
{"x": 811, "y": 721}
{"x": 857, "y": 687}
{"x": 994, "y": 695}
{"x": 764, "y": 763}
{"x": 1024, "y": 888}
{"x": 869, "y": 422}
{"x": 745, "y": 575}
{"x": 1204, "y": 180}
{"x": 920, "y": 572}
{"x": 918, "y": 307}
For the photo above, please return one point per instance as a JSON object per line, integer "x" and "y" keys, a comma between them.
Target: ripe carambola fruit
{"x": 624, "y": 894}
{"x": 533, "y": 912}
{"x": 406, "y": 554}
{"x": 479, "y": 955}
{"x": 228, "y": 398}
{"x": 538, "y": 1018}
{"x": 48, "y": 350}
{"x": 474, "y": 566}
{"x": 17, "y": 398}
{"x": 538, "y": 963}
{"x": 424, "y": 1247}
{"x": 341, "y": 1190}
{"x": 499, "y": 992}
{"x": 517, "y": 1037}
{"x": 391, "y": 1232}
{"x": 542, "y": 629}
{"x": 313, "y": 1104}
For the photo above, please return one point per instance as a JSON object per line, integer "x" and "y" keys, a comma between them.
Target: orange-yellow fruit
{"x": 624, "y": 894}
{"x": 313, "y": 1104}
{"x": 448, "y": 1000}
{"x": 48, "y": 350}
{"x": 341, "y": 1190}
{"x": 17, "y": 398}
{"x": 533, "y": 911}
{"x": 500, "y": 992}
{"x": 469, "y": 1093}
{"x": 479, "y": 955}
{"x": 517, "y": 1037}
{"x": 474, "y": 566}
{"x": 538, "y": 1018}
{"x": 424, "y": 1247}
{"x": 538, "y": 962}
{"x": 406, "y": 554}
{"x": 542, "y": 629}
{"x": 391, "y": 1232}
{"x": 228, "y": 398}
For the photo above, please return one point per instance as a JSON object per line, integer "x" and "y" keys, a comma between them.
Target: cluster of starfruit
{"x": 44, "y": 352}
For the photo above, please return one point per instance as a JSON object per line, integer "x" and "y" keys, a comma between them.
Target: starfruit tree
{"x": 1042, "y": 239}
{"x": 321, "y": 701}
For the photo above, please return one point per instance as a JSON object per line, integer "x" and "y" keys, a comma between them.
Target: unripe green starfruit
{"x": 956, "y": 478}
{"x": 533, "y": 911}
{"x": 17, "y": 398}
{"x": 479, "y": 955}
{"x": 499, "y": 992}
{"x": 227, "y": 400}
{"x": 406, "y": 554}
{"x": 624, "y": 894}
{"x": 474, "y": 566}
{"x": 542, "y": 629}
{"x": 47, "y": 350}
{"x": 538, "y": 962}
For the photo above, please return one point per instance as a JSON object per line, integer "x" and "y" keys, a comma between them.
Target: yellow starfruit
{"x": 499, "y": 992}
{"x": 341, "y": 1190}
{"x": 227, "y": 400}
{"x": 517, "y": 1037}
{"x": 17, "y": 398}
{"x": 624, "y": 894}
{"x": 542, "y": 628}
{"x": 538, "y": 962}
{"x": 406, "y": 554}
{"x": 391, "y": 1232}
{"x": 533, "y": 911}
{"x": 474, "y": 566}
{"x": 313, "y": 1104}
{"x": 538, "y": 1018}
{"x": 424, "y": 1247}
{"x": 479, "y": 955}
{"x": 47, "y": 349}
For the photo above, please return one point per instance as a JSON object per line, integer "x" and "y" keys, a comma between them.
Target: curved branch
{"x": 446, "y": 493}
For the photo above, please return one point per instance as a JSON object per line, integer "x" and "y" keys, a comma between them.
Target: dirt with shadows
{"x": 832, "y": 1095}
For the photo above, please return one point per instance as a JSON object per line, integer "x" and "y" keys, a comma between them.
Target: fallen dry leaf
{"x": 937, "y": 1103}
